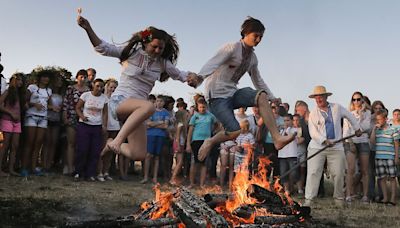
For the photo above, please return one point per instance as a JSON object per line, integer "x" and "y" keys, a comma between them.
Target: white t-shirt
{"x": 113, "y": 124}
{"x": 38, "y": 96}
{"x": 93, "y": 108}
{"x": 290, "y": 150}
{"x": 3, "y": 85}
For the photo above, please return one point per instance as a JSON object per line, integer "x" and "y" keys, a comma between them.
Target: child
{"x": 301, "y": 152}
{"x": 287, "y": 156}
{"x": 243, "y": 142}
{"x": 156, "y": 135}
{"x": 179, "y": 143}
{"x": 200, "y": 128}
{"x": 92, "y": 112}
{"x": 11, "y": 105}
{"x": 386, "y": 142}
{"x": 396, "y": 125}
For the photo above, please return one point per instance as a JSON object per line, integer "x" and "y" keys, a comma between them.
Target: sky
{"x": 345, "y": 45}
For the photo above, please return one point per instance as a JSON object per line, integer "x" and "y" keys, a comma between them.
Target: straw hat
{"x": 319, "y": 90}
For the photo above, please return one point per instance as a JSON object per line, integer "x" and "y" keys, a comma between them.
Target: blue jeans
{"x": 222, "y": 108}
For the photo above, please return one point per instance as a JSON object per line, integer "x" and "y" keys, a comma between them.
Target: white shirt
{"x": 38, "y": 96}
{"x": 139, "y": 71}
{"x": 93, "y": 108}
{"x": 364, "y": 120}
{"x": 316, "y": 126}
{"x": 220, "y": 69}
{"x": 290, "y": 150}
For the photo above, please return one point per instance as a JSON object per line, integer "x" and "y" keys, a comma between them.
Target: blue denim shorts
{"x": 222, "y": 108}
{"x": 113, "y": 104}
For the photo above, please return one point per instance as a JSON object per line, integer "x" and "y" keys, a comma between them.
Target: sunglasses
{"x": 356, "y": 99}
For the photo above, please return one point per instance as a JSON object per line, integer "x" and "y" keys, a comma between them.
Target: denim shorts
{"x": 113, "y": 103}
{"x": 35, "y": 121}
{"x": 222, "y": 108}
{"x": 357, "y": 148}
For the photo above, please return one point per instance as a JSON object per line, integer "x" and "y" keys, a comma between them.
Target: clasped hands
{"x": 194, "y": 80}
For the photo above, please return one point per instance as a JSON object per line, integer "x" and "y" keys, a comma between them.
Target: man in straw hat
{"x": 324, "y": 124}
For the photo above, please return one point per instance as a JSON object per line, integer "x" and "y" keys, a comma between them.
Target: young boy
{"x": 301, "y": 152}
{"x": 200, "y": 128}
{"x": 386, "y": 141}
{"x": 287, "y": 156}
{"x": 156, "y": 135}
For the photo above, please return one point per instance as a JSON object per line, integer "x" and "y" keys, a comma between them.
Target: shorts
{"x": 302, "y": 158}
{"x": 357, "y": 148}
{"x": 195, "y": 149}
{"x": 385, "y": 168}
{"x": 222, "y": 108}
{"x": 113, "y": 103}
{"x": 10, "y": 126}
{"x": 155, "y": 144}
{"x": 36, "y": 121}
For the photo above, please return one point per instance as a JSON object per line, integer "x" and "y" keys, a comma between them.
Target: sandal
{"x": 390, "y": 204}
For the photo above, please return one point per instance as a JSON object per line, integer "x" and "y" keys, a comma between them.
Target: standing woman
{"x": 148, "y": 56}
{"x": 70, "y": 117}
{"x": 36, "y": 121}
{"x": 357, "y": 147}
{"x": 92, "y": 112}
{"x": 12, "y": 102}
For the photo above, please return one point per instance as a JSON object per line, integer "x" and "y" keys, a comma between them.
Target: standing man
{"x": 324, "y": 124}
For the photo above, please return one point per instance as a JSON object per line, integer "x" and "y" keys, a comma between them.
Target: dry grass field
{"x": 55, "y": 200}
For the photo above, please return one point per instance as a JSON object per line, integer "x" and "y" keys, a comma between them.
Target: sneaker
{"x": 91, "y": 179}
{"x": 24, "y": 173}
{"x": 348, "y": 199}
{"x": 307, "y": 203}
{"x": 365, "y": 199}
{"x": 100, "y": 178}
{"x": 76, "y": 177}
{"x": 38, "y": 172}
{"x": 107, "y": 177}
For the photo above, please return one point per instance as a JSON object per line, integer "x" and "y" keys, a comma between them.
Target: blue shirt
{"x": 202, "y": 125}
{"x": 158, "y": 115}
{"x": 384, "y": 144}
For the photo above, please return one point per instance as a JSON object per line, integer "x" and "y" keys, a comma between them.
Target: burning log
{"x": 275, "y": 220}
{"x": 192, "y": 210}
{"x": 124, "y": 222}
{"x": 215, "y": 200}
{"x": 265, "y": 196}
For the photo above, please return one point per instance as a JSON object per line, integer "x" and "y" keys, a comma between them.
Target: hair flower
{"x": 146, "y": 35}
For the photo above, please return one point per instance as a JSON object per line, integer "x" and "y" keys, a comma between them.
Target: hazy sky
{"x": 345, "y": 45}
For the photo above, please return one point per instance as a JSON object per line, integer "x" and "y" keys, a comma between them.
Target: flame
{"x": 145, "y": 206}
{"x": 163, "y": 200}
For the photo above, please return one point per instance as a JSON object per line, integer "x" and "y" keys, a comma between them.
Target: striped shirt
{"x": 385, "y": 143}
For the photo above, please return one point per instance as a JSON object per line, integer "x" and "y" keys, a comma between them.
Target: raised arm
{"x": 84, "y": 23}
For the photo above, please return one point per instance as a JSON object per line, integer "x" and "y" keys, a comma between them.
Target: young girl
{"x": 113, "y": 127}
{"x": 12, "y": 102}
{"x": 179, "y": 143}
{"x": 147, "y": 57}
{"x": 54, "y": 122}
{"x": 70, "y": 118}
{"x": 200, "y": 128}
{"x": 36, "y": 121}
{"x": 223, "y": 72}
{"x": 92, "y": 112}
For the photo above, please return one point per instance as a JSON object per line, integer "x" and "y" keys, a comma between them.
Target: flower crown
{"x": 146, "y": 35}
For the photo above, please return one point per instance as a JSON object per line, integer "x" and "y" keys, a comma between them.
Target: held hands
{"x": 328, "y": 143}
{"x": 358, "y": 133}
{"x": 83, "y": 22}
{"x": 194, "y": 80}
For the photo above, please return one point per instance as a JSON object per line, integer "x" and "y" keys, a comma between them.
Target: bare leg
{"x": 210, "y": 142}
{"x": 71, "y": 135}
{"x": 135, "y": 112}
{"x": 351, "y": 160}
{"x": 30, "y": 140}
{"x": 231, "y": 168}
{"x": 147, "y": 168}
{"x": 178, "y": 168}
{"x": 203, "y": 175}
{"x": 40, "y": 133}
{"x": 364, "y": 162}
{"x": 393, "y": 186}
{"x": 224, "y": 156}
{"x": 266, "y": 113}
{"x": 3, "y": 150}
{"x": 155, "y": 168}
{"x": 13, "y": 153}
{"x": 382, "y": 182}
{"x": 193, "y": 169}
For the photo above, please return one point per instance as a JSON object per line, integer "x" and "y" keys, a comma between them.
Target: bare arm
{"x": 78, "y": 109}
{"x": 84, "y": 23}
{"x": 189, "y": 139}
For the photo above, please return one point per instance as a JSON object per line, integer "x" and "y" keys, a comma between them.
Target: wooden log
{"x": 200, "y": 207}
{"x": 273, "y": 209}
{"x": 244, "y": 211}
{"x": 265, "y": 196}
{"x": 214, "y": 200}
{"x": 128, "y": 221}
{"x": 255, "y": 226}
{"x": 188, "y": 215}
{"x": 275, "y": 220}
